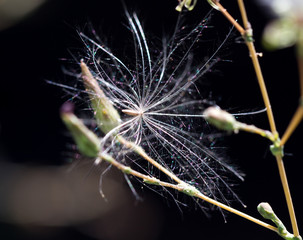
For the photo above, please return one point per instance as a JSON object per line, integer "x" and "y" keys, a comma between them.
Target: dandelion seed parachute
{"x": 160, "y": 106}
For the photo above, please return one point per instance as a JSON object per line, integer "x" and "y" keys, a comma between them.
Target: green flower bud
{"x": 189, "y": 4}
{"x": 221, "y": 119}
{"x": 105, "y": 113}
{"x": 87, "y": 142}
{"x": 266, "y": 211}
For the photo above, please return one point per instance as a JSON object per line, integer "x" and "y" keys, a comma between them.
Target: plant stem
{"x": 272, "y": 124}
{"x": 182, "y": 187}
{"x": 300, "y": 68}
{"x": 297, "y": 118}
{"x": 256, "y": 64}
{"x": 266, "y": 100}
{"x": 253, "y": 129}
{"x": 230, "y": 18}
{"x": 140, "y": 151}
{"x": 287, "y": 195}
{"x": 254, "y": 58}
{"x": 243, "y": 14}
{"x": 234, "y": 211}
{"x": 262, "y": 86}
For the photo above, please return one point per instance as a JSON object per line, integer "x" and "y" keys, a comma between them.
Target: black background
{"x": 31, "y": 131}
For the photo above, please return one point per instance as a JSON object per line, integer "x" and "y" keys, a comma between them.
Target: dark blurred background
{"x": 46, "y": 195}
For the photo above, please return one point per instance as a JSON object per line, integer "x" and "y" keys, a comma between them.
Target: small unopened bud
{"x": 221, "y": 119}
{"x": 265, "y": 210}
{"x": 105, "y": 113}
{"x": 213, "y": 4}
{"x": 87, "y": 142}
{"x": 189, "y": 4}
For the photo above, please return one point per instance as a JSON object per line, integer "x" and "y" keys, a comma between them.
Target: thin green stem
{"x": 256, "y": 130}
{"x": 182, "y": 187}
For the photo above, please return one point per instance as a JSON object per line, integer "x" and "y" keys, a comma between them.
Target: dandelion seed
{"x": 160, "y": 108}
